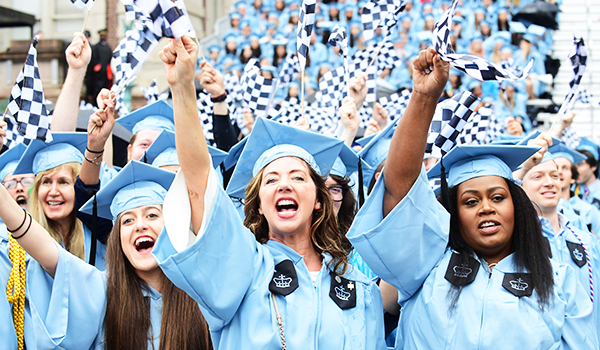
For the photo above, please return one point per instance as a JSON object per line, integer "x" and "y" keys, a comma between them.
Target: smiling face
{"x": 142, "y": 140}
{"x": 56, "y": 193}
{"x": 139, "y": 230}
{"x": 542, "y": 185}
{"x": 288, "y": 197}
{"x": 486, "y": 216}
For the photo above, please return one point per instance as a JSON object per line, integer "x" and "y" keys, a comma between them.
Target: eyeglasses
{"x": 25, "y": 182}
{"x": 337, "y": 193}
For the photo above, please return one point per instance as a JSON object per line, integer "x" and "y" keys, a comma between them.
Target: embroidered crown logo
{"x": 519, "y": 284}
{"x": 342, "y": 294}
{"x": 577, "y": 254}
{"x": 462, "y": 271}
{"x": 282, "y": 281}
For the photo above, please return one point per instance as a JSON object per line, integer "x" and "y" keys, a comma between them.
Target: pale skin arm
{"x": 66, "y": 110}
{"x": 179, "y": 58}
{"x": 212, "y": 81}
{"x": 104, "y": 122}
{"x": 430, "y": 74}
{"x": 389, "y": 294}
{"x": 565, "y": 121}
{"x": 543, "y": 141}
{"x": 350, "y": 120}
{"x": 36, "y": 242}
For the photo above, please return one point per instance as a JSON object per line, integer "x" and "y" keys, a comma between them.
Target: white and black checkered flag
{"x": 449, "y": 120}
{"x": 306, "y": 23}
{"x": 476, "y": 67}
{"x": 205, "y": 112}
{"x": 333, "y": 87}
{"x": 578, "y": 59}
{"x": 289, "y": 69}
{"x": 570, "y": 138}
{"x": 481, "y": 125}
{"x": 233, "y": 86}
{"x": 256, "y": 89}
{"x": 27, "y": 103}
{"x": 380, "y": 13}
{"x": 396, "y": 104}
{"x": 169, "y": 17}
{"x": 338, "y": 38}
{"x": 151, "y": 92}
{"x": 583, "y": 96}
{"x": 80, "y": 4}
{"x": 359, "y": 62}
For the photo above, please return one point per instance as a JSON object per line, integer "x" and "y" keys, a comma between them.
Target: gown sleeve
{"x": 67, "y": 310}
{"x": 405, "y": 246}
{"x": 218, "y": 266}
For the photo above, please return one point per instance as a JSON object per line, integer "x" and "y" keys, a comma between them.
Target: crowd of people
{"x": 287, "y": 238}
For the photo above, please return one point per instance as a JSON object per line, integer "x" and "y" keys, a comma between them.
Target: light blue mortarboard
{"x": 457, "y": 19}
{"x": 560, "y": 150}
{"x": 230, "y": 37}
{"x": 213, "y": 48}
{"x": 586, "y": 145}
{"x": 235, "y": 15}
{"x": 244, "y": 23}
{"x": 162, "y": 152}
{"x": 463, "y": 163}
{"x": 536, "y": 30}
{"x": 10, "y": 159}
{"x": 347, "y": 163}
{"x": 66, "y": 147}
{"x": 517, "y": 27}
{"x": 240, "y": 4}
{"x": 271, "y": 140}
{"x": 376, "y": 151}
{"x": 484, "y": 23}
{"x": 530, "y": 37}
{"x": 155, "y": 116}
{"x": 136, "y": 185}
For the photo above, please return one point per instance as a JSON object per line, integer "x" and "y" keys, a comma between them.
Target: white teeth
{"x": 143, "y": 239}
{"x": 286, "y": 202}
{"x": 54, "y": 203}
{"x": 487, "y": 224}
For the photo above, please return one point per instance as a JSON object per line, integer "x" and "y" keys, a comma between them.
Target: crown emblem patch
{"x": 285, "y": 279}
{"x": 577, "y": 253}
{"x": 460, "y": 273}
{"x": 518, "y": 284}
{"x": 342, "y": 291}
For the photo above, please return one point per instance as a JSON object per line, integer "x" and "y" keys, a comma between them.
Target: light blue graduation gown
{"x": 61, "y": 312}
{"x": 407, "y": 248}
{"x": 588, "y": 212}
{"x": 575, "y": 219}
{"x": 562, "y": 254}
{"x": 100, "y": 248}
{"x": 228, "y": 273}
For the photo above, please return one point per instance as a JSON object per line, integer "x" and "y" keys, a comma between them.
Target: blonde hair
{"x": 73, "y": 241}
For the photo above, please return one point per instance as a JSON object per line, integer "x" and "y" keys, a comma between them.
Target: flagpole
{"x": 377, "y": 53}
{"x": 3, "y": 114}
{"x": 271, "y": 98}
{"x": 85, "y": 20}
{"x": 302, "y": 94}
{"x": 563, "y": 109}
{"x": 113, "y": 101}
{"x": 200, "y": 49}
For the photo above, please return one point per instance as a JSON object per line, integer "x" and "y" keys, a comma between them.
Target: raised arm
{"x": 179, "y": 58}
{"x": 104, "y": 122}
{"x": 405, "y": 157}
{"x": 33, "y": 238}
{"x": 66, "y": 110}
{"x": 350, "y": 120}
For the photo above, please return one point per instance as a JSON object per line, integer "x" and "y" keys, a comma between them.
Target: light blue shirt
{"x": 228, "y": 273}
{"x": 407, "y": 249}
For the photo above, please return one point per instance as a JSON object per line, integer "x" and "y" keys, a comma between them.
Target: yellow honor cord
{"x": 15, "y": 289}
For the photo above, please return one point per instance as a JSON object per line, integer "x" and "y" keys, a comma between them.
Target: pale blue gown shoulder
{"x": 229, "y": 274}
{"x": 408, "y": 249}
{"x": 588, "y": 212}
{"x": 63, "y": 312}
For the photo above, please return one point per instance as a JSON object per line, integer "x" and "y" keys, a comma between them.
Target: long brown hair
{"x": 127, "y": 321}
{"x": 348, "y": 208}
{"x": 73, "y": 241}
{"x": 324, "y": 232}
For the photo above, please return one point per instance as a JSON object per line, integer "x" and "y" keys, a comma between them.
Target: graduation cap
{"x": 66, "y": 147}
{"x": 155, "y": 116}
{"x": 136, "y": 185}
{"x": 235, "y": 15}
{"x": 271, "y": 140}
{"x": 347, "y": 163}
{"x": 586, "y": 145}
{"x": 465, "y": 162}
{"x": 530, "y": 38}
{"x": 10, "y": 159}
{"x": 560, "y": 150}
{"x": 376, "y": 151}
{"x": 536, "y": 30}
{"x": 213, "y": 48}
{"x": 162, "y": 152}
{"x": 517, "y": 27}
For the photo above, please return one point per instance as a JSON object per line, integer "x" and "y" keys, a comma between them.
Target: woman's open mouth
{"x": 144, "y": 244}
{"x": 286, "y": 208}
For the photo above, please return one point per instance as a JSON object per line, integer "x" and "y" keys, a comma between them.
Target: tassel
{"x": 92, "y": 260}
{"x": 361, "y": 188}
{"x": 444, "y": 186}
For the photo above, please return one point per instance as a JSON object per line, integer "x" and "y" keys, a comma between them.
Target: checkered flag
{"x": 80, "y": 4}
{"x": 233, "y": 86}
{"x": 396, "y": 104}
{"x": 151, "y": 92}
{"x": 256, "y": 89}
{"x": 387, "y": 58}
{"x": 578, "y": 58}
{"x": 169, "y": 18}
{"x": 338, "y": 38}
{"x": 205, "y": 112}
{"x": 476, "y": 67}
{"x": 570, "y": 138}
{"x": 449, "y": 120}
{"x": 306, "y": 23}
{"x": 583, "y": 96}
{"x": 333, "y": 87}
{"x": 27, "y": 103}
{"x": 380, "y": 13}
{"x": 289, "y": 69}
{"x": 359, "y": 62}
{"x": 476, "y": 129}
